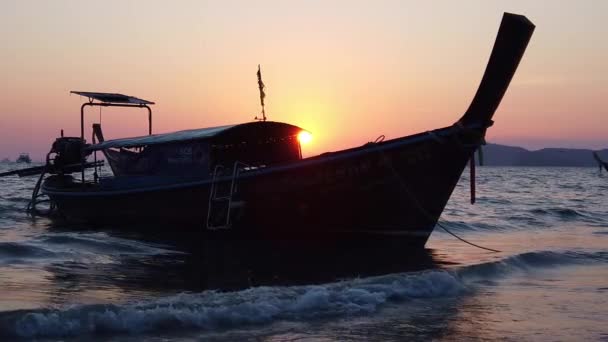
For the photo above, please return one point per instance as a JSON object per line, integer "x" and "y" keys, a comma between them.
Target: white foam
{"x": 212, "y": 310}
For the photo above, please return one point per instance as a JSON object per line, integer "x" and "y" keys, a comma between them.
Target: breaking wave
{"x": 261, "y": 305}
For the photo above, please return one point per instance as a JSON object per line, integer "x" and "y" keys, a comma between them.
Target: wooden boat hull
{"x": 393, "y": 189}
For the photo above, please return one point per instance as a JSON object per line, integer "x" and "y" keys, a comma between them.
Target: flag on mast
{"x": 262, "y": 93}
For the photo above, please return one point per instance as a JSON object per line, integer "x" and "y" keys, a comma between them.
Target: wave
{"x": 493, "y": 200}
{"x": 101, "y": 242}
{"x": 528, "y": 262}
{"x": 88, "y": 247}
{"x": 570, "y": 215}
{"x": 564, "y": 213}
{"x": 13, "y": 209}
{"x": 16, "y": 199}
{"x": 526, "y": 221}
{"x": 212, "y": 310}
{"x": 10, "y": 251}
{"x": 465, "y": 226}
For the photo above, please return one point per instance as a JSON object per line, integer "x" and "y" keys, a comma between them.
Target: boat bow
{"x": 511, "y": 41}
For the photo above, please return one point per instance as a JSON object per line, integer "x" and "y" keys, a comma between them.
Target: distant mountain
{"x": 502, "y": 155}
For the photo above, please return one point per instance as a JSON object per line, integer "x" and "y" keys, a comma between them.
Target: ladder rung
{"x": 237, "y": 204}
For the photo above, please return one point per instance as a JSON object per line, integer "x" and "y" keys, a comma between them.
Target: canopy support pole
{"x": 104, "y": 104}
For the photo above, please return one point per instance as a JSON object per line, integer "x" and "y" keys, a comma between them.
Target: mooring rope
{"x": 465, "y": 241}
{"x": 428, "y": 216}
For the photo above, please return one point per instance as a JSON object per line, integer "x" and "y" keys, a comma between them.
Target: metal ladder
{"x": 221, "y": 204}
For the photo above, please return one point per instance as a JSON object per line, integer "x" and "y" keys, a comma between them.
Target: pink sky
{"x": 348, "y": 71}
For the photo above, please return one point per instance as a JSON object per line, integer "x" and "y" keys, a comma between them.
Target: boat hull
{"x": 393, "y": 190}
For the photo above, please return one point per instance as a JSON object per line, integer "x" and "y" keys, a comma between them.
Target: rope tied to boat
{"x": 465, "y": 241}
{"x": 429, "y": 217}
{"x": 378, "y": 140}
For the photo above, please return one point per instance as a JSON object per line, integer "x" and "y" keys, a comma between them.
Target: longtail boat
{"x": 23, "y": 158}
{"x": 600, "y": 161}
{"x": 250, "y": 180}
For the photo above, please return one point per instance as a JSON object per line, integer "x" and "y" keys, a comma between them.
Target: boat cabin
{"x": 194, "y": 153}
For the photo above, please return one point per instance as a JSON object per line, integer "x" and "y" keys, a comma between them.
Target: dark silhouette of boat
{"x": 23, "y": 158}
{"x": 600, "y": 161}
{"x": 250, "y": 180}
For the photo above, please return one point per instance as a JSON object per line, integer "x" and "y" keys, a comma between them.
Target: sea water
{"x": 549, "y": 282}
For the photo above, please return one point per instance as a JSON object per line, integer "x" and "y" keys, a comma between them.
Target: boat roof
{"x": 112, "y": 98}
{"x": 242, "y": 132}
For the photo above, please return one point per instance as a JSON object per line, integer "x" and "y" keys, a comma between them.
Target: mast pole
{"x": 261, "y": 86}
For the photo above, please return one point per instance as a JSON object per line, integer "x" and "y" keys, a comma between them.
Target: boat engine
{"x": 68, "y": 154}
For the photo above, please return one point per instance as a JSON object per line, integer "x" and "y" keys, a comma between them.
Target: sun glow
{"x": 304, "y": 137}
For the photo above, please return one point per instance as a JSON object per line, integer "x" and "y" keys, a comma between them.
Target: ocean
{"x": 549, "y": 282}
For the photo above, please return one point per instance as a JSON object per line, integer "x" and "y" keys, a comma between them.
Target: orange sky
{"x": 348, "y": 71}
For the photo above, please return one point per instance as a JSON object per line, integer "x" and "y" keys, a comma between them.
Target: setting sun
{"x": 304, "y": 137}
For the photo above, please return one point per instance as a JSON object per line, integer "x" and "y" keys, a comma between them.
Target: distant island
{"x": 502, "y": 155}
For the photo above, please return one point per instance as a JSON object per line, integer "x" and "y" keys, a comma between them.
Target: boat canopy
{"x": 112, "y": 98}
{"x": 230, "y": 133}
